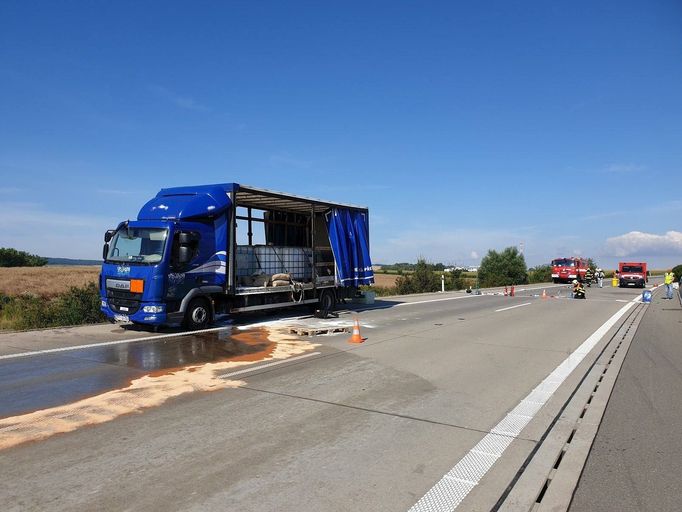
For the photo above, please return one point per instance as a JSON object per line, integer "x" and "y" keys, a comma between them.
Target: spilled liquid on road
{"x": 174, "y": 367}
{"x": 175, "y": 353}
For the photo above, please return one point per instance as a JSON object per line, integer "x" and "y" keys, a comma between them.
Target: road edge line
{"x": 449, "y": 492}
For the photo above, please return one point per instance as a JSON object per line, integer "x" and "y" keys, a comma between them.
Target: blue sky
{"x": 464, "y": 126}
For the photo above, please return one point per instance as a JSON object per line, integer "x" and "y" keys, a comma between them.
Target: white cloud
{"x": 645, "y": 244}
{"x": 473, "y": 255}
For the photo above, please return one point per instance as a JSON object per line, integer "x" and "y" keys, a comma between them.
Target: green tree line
{"x": 12, "y": 258}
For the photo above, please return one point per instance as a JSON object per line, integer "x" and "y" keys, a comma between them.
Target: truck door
{"x": 185, "y": 257}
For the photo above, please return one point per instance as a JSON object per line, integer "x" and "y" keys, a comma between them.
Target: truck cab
{"x": 632, "y": 274}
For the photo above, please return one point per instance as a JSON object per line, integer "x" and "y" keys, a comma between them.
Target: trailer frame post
{"x": 312, "y": 243}
{"x": 232, "y": 245}
{"x": 250, "y": 221}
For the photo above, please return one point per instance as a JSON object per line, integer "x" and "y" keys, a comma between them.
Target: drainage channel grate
{"x": 548, "y": 481}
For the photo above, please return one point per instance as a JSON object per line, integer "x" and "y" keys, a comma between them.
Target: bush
{"x": 422, "y": 280}
{"x": 73, "y": 307}
{"x": 540, "y": 274}
{"x": 380, "y": 291}
{"x": 454, "y": 280}
{"x": 13, "y": 258}
{"x": 503, "y": 268}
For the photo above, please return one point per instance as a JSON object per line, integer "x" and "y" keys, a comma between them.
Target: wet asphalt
{"x": 42, "y": 381}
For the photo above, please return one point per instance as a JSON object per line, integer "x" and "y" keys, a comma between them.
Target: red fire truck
{"x": 632, "y": 274}
{"x": 565, "y": 270}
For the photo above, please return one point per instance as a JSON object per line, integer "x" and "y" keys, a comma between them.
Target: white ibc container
{"x": 246, "y": 263}
{"x": 269, "y": 259}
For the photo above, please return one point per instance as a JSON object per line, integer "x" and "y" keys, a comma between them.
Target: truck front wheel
{"x": 198, "y": 314}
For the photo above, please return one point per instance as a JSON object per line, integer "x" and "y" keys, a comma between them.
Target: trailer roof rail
{"x": 264, "y": 199}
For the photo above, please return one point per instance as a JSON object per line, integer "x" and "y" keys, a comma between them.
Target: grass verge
{"x": 76, "y": 306}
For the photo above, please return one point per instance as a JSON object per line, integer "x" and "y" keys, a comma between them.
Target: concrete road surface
{"x": 636, "y": 459}
{"x": 253, "y": 417}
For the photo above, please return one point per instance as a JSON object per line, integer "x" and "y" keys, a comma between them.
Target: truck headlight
{"x": 153, "y": 309}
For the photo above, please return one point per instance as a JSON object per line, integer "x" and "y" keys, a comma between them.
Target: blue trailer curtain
{"x": 349, "y": 238}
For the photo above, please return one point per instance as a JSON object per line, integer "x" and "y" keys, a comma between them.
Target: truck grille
{"x": 123, "y": 299}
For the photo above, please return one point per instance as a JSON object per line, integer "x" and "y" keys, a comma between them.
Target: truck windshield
{"x": 141, "y": 245}
{"x": 563, "y": 263}
{"x": 632, "y": 268}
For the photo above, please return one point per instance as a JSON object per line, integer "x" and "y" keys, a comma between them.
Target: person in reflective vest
{"x": 668, "y": 281}
{"x": 578, "y": 290}
{"x": 588, "y": 276}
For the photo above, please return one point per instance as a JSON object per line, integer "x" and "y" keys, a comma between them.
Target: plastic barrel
{"x": 614, "y": 282}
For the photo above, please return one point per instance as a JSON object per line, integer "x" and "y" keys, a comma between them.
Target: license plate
{"x": 121, "y": 318}
{"x": 123, "y": 308}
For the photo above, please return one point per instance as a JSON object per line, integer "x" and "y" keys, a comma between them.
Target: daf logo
{"x": 123, "y": 270}
{"x": 118, "y": 284}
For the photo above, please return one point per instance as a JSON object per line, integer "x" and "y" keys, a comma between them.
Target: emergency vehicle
{"x": 632, "y": 274}
{"x": 565, "y": 270}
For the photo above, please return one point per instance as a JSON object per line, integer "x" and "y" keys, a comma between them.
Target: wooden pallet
{"x": 317, "y": 331}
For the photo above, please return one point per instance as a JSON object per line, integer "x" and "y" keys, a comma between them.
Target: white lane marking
{"x": 453, "y": 487}
{"x": 213, "y": 329}
{"x": 473, "y": 296}
{"x": 151, "y": 338}
{"x": 146, "y": 338}
{"x": 108, "y": 343}
{"x": 439, "y": 300}
{"x": 268, "y": 365}
{"x": 512, "y": 307}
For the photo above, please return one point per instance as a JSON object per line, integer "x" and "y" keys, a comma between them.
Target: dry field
{"x": 385, "y": 280}
{"x": 47, "y": 281}
{"x": 52, "y": 280}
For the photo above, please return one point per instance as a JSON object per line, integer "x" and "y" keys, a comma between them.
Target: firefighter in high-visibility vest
{"x": 578, "y": 290}
{"x": 668, "y": 281}
{"x": 588, "y": 276}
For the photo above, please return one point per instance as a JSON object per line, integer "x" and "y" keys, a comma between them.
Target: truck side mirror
{"x": 109, "y": 235}
{"x": 185, "y": 238}
{"x": 105, "y": 251}
{"x": 184, "y": 254}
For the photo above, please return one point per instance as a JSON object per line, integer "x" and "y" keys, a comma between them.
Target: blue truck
{"x": 198, "y": 252}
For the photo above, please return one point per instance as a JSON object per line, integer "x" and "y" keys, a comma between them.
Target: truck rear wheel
{"x": 198, "y": 314}
{"x": 327, "y": 301}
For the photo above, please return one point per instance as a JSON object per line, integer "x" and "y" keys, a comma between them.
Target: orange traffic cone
{"x": 356, "y": 337}
{"x": 544, "y": 294}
